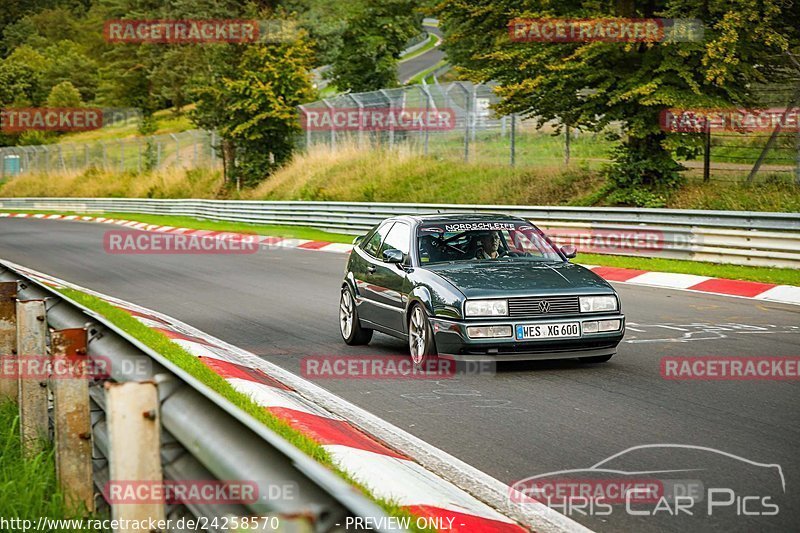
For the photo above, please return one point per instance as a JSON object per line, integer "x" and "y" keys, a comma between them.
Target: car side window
{"x": 373, "y": 245}
{"x": 398, "y": 238}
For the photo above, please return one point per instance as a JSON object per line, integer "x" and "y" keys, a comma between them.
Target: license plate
{"x": 548, "y": 331}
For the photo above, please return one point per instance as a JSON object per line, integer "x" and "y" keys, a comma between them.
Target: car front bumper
{"x": 453, "y": 342}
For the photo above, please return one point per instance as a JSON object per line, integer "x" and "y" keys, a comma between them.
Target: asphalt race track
{"x": 528, "y": 418}
{"x": 410, "y": 68}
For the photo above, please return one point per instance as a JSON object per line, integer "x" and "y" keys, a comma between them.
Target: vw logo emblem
{"x": 544, "y": 306}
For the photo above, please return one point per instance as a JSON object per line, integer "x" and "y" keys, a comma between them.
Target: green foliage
{"x": 21, "y": 76}
{"x": 28, "y": 486}
{"x": 372, "y": 43}
{"x": 70, "y": 62}
{"x": 252, "y": 104}
{"x": 643, "y": 172}
{"x": 64, "y": 95}
{"x": 590, "y": 85}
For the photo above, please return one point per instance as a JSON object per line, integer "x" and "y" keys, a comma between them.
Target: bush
{"x": 643, "y": 173}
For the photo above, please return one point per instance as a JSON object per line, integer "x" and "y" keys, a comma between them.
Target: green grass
{"x": 167, "y": 121}
{"x": 28, "y": 486}
{"x": 425, "y": 73}
{"x": 191, "y": 364}
{"x": 429, "y": 45}
{"x": 783, "y": 276}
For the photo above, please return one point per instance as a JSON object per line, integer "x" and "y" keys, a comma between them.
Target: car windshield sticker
{"x": 474, "y": 226}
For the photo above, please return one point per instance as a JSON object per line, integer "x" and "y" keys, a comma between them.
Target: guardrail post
{"x": 9, "y": 386}
{"x": 32, "y": 350}
{"x": 134, "y": 437}
{"x": 73, "y": 426}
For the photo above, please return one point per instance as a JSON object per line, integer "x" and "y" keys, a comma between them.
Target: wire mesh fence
{"x": 477, "y": 133}
{"x": 452, "y": 121}
{"x": 188, "y": 149}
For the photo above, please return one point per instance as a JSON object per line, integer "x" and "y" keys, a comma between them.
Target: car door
{"x": 363, "y": 265}
{"x": 388, "y": 282}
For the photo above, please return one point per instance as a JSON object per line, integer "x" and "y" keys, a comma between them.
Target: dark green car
{"x": 477, "y": 287}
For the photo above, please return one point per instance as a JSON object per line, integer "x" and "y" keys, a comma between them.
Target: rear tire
{"x": 596, "y": 359}
{"x": 349, "y": 325}
{"x": 421, "y": 343}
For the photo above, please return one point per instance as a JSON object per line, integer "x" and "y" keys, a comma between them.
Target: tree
{"x": 21, "y": 78}
{"x": 67, "y": 61}
{"x": 745, "y": 43}
{"x": 64, "y": 95}
{"x": 372, "y": 43}
{"x": 249, "y": 95}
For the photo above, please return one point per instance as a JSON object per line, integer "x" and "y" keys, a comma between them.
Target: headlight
{"x": 486, "y": 308}
{"x": 594, "y": 304}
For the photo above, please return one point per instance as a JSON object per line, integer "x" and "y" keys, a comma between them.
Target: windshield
{"x": 442, "y": 242}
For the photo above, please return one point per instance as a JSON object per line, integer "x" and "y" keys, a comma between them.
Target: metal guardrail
{"x": 203, "y": 435}
{"x": 734, "y": 237}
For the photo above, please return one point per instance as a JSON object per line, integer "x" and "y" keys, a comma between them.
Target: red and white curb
{"x": 769, "y": 292}
{"x": 387, "y": 472}
{"x": 772, "y": 292}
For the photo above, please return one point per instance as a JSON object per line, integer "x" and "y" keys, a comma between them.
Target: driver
{"x": 490, "y": 246}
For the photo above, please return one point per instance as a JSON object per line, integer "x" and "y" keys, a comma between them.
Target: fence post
{"x": 177, "y": 149}
{"x": 513, "y": 139}
{"x": 212, "y": 144}
{"x": 360, "y": 120}
{"x": 797, "y": 166}
{"x": 31, "y": 346}
{"x": 71, "y": 413}
{"x": 303, "y": 122}
{"x": 566, "y": 144}
{"x": 428, "y": 104}
{"x": 9, "y": 386}
{"x": 391, "y": 109}
{"x": 333, "y": 131}
{"x": 134, "y": 427}
{"x": 467, "y": 107}
{"x": 707, "y": 154}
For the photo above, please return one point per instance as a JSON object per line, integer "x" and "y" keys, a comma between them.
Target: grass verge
{"x": 417, "y": 78}
{"x": 191, "y": 364}
{"x": 28, "y": 487}
{"x": 429, "y": 45}
{"x": 782, "y": 276}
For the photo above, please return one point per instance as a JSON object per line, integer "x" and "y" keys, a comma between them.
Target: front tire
{"x": 349, "y": 325}
{"x": 421, "y": 344}
{"x": 596, "y": 359}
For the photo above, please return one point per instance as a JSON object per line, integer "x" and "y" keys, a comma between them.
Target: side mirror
{"x": 393, "y": 256}
{"x": 358, "y": 240}
{"x": 569, "y": 251}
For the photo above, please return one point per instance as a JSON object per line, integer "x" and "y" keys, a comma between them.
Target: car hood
{"x": 498, "y": 279}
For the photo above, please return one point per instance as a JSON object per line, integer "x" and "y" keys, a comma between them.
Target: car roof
{"x": 458, "y": 217}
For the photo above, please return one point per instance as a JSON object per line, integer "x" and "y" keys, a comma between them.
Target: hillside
{"x": 383, "y": 176}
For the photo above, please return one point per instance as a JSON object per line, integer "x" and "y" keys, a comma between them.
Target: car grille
{"x": 560, "y": 305}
